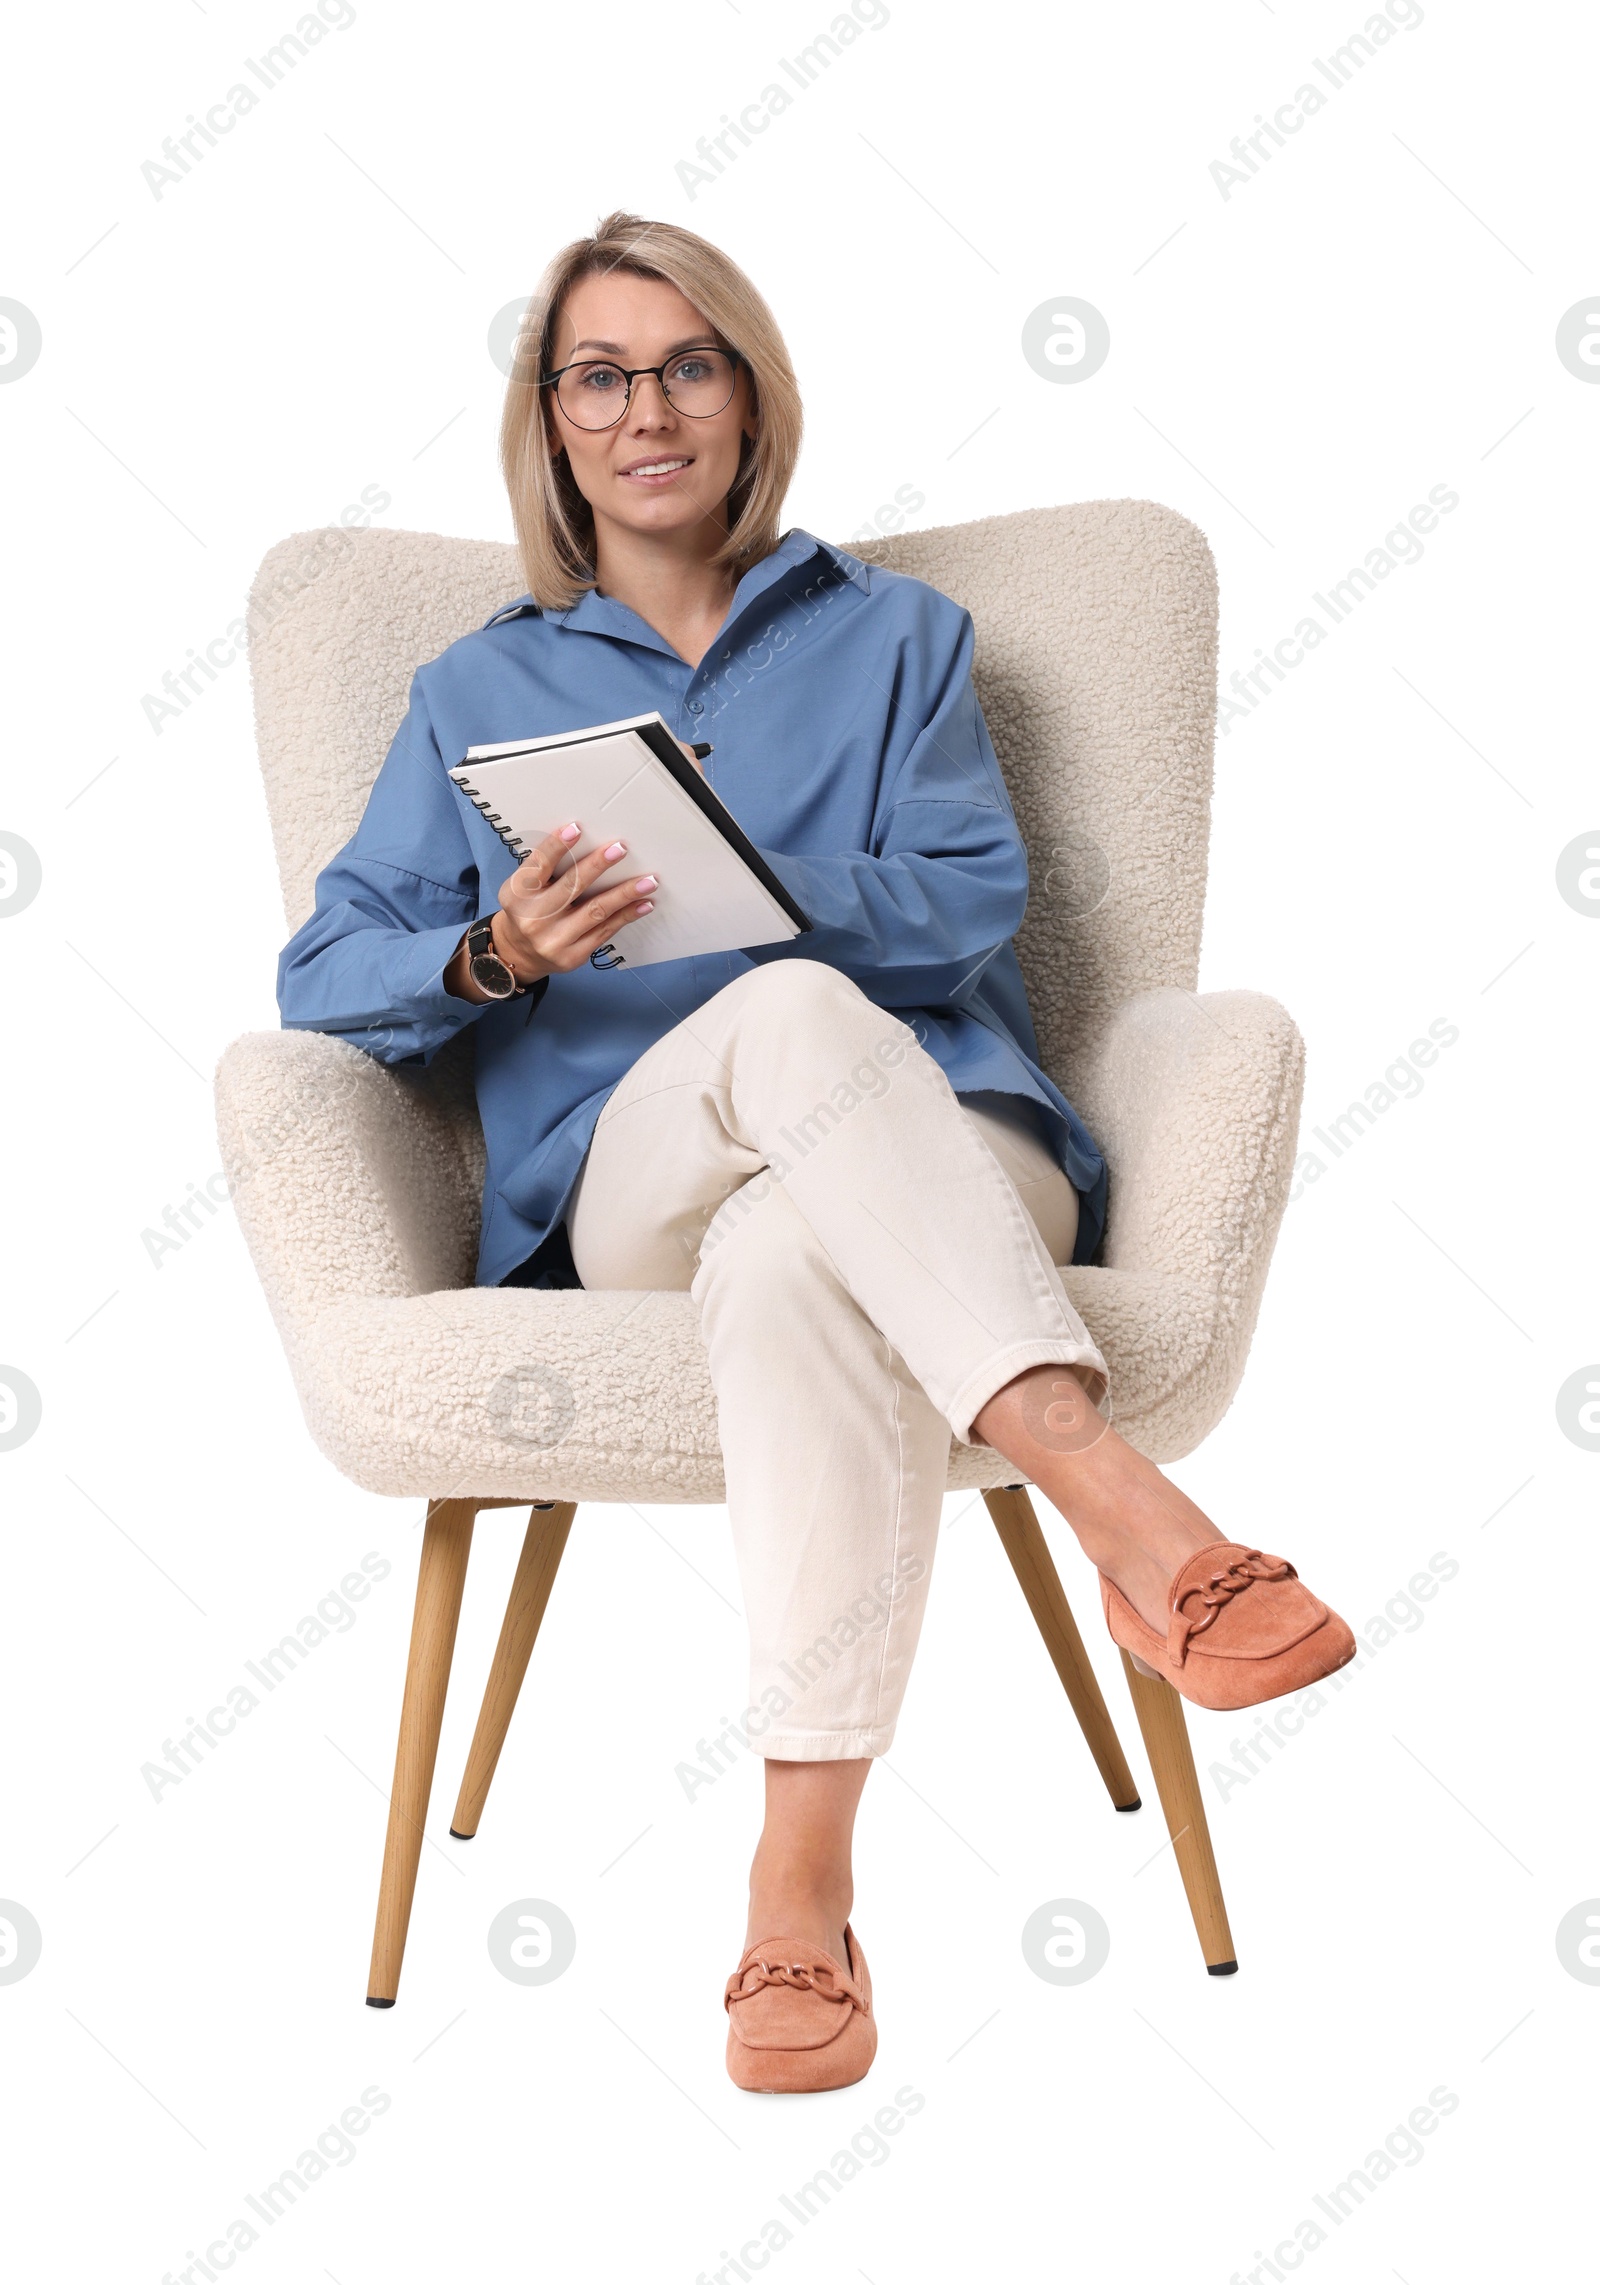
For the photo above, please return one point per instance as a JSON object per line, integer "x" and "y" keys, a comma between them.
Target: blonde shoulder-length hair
{"x": 554, "y": 523}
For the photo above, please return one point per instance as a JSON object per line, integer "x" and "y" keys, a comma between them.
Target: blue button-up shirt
{"x": 849, "y": 744}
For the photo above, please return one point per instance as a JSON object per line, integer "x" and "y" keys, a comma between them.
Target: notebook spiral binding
{"x": 517, "y": 847}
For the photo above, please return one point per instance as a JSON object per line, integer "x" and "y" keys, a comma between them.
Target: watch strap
{"x": 481, "y": 953}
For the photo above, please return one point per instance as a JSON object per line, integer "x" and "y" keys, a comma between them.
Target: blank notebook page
{"x": 708, "y": 899}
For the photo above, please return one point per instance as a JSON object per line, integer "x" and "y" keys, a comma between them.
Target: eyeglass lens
{"x": 699, "y": 383}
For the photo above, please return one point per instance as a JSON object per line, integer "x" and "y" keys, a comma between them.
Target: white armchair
{"x": 358, "y": 1186}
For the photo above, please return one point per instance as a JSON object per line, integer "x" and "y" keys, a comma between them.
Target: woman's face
{"x": 644, "y": 321}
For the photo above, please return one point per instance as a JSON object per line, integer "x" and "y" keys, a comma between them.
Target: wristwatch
{"x": 485, "y": 966}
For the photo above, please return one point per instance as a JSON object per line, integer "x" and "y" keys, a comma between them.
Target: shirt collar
{"x": 604, "y": 615}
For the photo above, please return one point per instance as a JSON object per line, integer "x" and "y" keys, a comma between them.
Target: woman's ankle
{"x": 788, "y": 1899}
{"x": 1131, "y": 1522}
{"x": 800, "y": 1883}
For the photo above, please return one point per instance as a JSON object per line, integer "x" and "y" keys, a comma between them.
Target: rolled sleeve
{"x": 390, "y": 911}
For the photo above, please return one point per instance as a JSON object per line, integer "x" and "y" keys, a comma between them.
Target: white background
{"x": 1370, "y": 315}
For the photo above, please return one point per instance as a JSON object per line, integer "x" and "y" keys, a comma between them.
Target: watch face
{"x": 491, "y": 975}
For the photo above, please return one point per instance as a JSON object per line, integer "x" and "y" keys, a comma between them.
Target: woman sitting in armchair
{"x": 842, "y": 1145}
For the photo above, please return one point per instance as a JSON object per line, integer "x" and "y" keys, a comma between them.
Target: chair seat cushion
{"x": 511, "y": 1393}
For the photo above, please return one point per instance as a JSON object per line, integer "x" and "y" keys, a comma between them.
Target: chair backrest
{"x": 1095, "y": 666}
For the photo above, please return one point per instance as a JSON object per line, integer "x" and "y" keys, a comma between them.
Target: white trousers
{"x": 866, "y": 1258}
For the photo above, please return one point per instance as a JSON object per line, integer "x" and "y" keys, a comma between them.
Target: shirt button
{"x": 695, "y": 706}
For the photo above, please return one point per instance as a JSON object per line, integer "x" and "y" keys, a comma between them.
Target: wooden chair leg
{"x": 446, "y": 1544}
{"x": 542, "y": 1549}
{"x": 1024, "y": 1543}
{"x": 1166, "y": 1741}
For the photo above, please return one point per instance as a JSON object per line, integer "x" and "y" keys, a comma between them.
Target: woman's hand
{"x": 547, "y": 926}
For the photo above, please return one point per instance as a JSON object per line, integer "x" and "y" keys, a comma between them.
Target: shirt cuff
{"x": 414, "y": 976}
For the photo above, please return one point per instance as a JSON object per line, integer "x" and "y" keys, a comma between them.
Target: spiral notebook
{"x": 630, "y": 781}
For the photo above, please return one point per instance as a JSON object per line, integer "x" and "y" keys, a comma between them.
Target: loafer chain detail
{"x": 826, "y": 1979}
{"x": 798, "y": 2021}
{"x": 1242, "y": 1627}
{"x": 1218, "y": 1591}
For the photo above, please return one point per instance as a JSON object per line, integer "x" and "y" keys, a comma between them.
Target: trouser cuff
{"x": 825, "y": 1745}
{"x": 998, "y": 1371}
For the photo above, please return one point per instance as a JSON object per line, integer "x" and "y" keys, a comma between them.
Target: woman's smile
{"x": 660, "y": 469}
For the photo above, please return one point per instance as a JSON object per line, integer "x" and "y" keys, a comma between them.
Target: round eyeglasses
{"x": 594, "y": 393}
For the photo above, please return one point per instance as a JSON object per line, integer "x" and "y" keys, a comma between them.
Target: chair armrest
{"x": 349, "y": 1178}
{"x": 1195, "y": 1101}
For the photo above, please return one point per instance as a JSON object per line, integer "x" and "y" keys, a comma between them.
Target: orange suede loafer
{"x": 1242, "y": 1629}
{"x": 797, "y": 2021}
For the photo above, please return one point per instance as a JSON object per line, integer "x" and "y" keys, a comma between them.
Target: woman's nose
{"x": 650, "y": 400}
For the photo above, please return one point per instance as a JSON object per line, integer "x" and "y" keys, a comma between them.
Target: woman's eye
{"x": 690, "y": 369}
{"x": 599, "y": 378}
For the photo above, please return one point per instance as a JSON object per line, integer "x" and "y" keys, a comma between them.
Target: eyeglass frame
{"x": 630, "y": 374}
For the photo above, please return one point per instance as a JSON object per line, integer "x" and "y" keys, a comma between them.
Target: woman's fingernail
{"x": 646, "y": 881}
{"x": 647, "y": 906}
{"x": 570, "y": 832}
{"x": 616, "y": 849}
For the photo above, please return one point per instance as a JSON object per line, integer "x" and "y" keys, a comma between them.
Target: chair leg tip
{"x": 457, "y": 1835}
{"x": 1122, "y": 1807}
{"x": 371, "y": 2002}
{"x": 1222, "y": 1968}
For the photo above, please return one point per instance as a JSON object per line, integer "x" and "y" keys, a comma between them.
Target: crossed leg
{"x": 868, "y": 1278}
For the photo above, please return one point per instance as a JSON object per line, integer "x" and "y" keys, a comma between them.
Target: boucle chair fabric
{"x": 358, "y": 1186}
